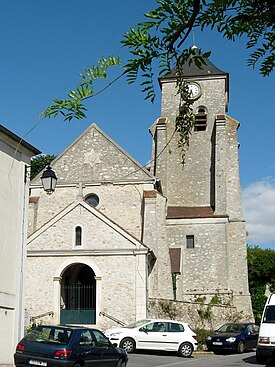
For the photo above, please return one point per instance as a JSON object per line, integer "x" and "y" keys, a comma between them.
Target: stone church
{"x": 116, "y": 235}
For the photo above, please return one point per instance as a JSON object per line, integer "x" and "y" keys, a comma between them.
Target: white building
{"x": 15, "y": 155}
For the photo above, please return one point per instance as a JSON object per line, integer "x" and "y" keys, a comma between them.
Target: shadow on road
{"x": 252, "y": 360}
{"x": 159, "y": 353}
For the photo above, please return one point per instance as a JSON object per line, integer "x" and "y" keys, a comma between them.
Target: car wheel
{"x": 241, "y": 347}
{"x": 128, "y": 344}
{"x": 120, "y": 363}
{"x": 186, "y": 350}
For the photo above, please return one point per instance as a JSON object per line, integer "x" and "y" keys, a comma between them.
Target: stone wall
{"x": 200, "y": 314}
{"x": 115, "y": 282}
{"x": 110, "y": 196}
{"x": 190, "y": 184}
{"x": 203, "y": 267}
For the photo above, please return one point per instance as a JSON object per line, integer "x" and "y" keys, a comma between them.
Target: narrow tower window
{"x": 200, "y": 119}
{"x": 78, "y": 236}
{"x": 190, "y": 241}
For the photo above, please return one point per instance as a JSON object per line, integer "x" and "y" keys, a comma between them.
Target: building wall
{"x": 13, "y": 224}
{"x": 209, "y": 177}
{"x": 110, "y": 246}
{"x": 203, "y": 267}
{"x": 110, "y": 195}
{"x": 129, "y": 200}
{"x": 190, "y": 184}
{"x": 116, "y": 290}
{"x": 155, "y": 236}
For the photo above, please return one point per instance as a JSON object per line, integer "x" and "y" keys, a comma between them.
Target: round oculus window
{"x": 92, "y": 200}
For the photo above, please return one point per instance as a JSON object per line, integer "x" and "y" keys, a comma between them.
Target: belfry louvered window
{"x": 200, "y": 120}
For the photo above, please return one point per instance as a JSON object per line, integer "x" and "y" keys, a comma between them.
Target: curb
{"x": 206, "y": 352}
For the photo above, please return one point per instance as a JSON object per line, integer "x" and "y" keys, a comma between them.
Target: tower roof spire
{"x": 190, "y": 70}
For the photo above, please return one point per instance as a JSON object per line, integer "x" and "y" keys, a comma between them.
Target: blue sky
{"x": 45, "y": 44}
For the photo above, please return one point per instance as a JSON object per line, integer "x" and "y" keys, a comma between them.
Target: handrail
{"x": 50, "y": 313}
{"x": 112, "y": 318}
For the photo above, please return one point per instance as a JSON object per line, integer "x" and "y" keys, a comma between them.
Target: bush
{"x": 202, "y": 334}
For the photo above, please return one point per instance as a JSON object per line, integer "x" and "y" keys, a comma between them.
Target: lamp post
{"x": 49, "y": 180}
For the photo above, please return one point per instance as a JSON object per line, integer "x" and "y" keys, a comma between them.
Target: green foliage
{"x": 156, "y": 45}
{"x": 30, "y": 328}
{"x": 261, "y": 265}
{"x": 174, "y": 282}
{"x": 73, "y": 107}
{"x": 202, "y": 334}
{"x": 205, "y": 310}
{"x": 160, "y": 37}
{"x": 39, "y": 163}
{"x": 253, "y": 19}
{"x": 258, "y": 300}
{"x": 168, "y": 308}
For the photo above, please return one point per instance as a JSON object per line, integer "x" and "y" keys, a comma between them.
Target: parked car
{"x": 58, "y": 346}
{"x": 234, "y": 336}
{"x": 167, "y": 335}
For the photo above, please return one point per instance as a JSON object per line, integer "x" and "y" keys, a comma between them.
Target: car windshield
{"x": 269, "y": 315}
{"x": 231, "y": 328}
{"x": 137, "y": 324}
{"x": 49, "y": 334}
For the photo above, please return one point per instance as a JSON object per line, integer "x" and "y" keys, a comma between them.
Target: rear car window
{"x": 176, "y": 328}
{"x": 269, "y": 314}
{"x": 48, "y": 334}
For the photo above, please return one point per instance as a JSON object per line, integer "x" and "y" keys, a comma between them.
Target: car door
{"x": 251, "y": 336}
{"x": 176, "y": 335}
{"x": 109, "y": 355}
{"x": 153, "y": 336}
{"x": 87, "y": 350}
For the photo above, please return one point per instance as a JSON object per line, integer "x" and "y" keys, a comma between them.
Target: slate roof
{"x": 184, "y": 212}
{"x": 193, "y": 70}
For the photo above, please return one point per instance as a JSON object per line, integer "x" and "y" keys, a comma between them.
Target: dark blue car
{"x": 234, "y": 336}
{"x": 58, "y": 346}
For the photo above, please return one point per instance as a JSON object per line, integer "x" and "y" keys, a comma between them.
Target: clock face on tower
{"x": 194, "y": 90}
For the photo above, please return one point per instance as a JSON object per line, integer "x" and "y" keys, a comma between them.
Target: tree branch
{"x": 268, "y": 15}
{"x": 187, "y": 25}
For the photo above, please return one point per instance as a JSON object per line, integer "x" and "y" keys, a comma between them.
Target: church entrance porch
{"x": 78, "y": 295}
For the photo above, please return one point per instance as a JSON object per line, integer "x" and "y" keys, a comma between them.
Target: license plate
{"x": 37, "y": 363}
{"x": 217, "y": 343}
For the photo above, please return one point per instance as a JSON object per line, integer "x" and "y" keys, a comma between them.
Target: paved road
{"x": 198, "y": 360}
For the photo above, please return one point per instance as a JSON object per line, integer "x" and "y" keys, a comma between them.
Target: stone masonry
{"x": 172, "y": 232}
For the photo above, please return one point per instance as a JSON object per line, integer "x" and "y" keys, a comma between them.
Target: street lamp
{"x": 49, "y": 180}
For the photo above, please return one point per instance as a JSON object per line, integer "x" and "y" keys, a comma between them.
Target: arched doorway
{"x": 78, "y": 295}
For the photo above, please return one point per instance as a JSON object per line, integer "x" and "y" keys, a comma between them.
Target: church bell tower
{"x": 204, "y": 222}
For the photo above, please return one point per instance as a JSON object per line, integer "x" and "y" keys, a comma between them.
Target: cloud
{"x": 259, "y": 212}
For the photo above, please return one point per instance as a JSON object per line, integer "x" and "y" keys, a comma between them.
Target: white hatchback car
{"x": 167, "y": 335}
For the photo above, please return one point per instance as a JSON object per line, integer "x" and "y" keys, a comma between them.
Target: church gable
{"x": 94, "y": 157}
{"x": 81, "y": 227}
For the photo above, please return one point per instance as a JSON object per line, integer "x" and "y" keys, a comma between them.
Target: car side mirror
{"x": 143, "y": 329}
{"x": 114, "y": 345}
